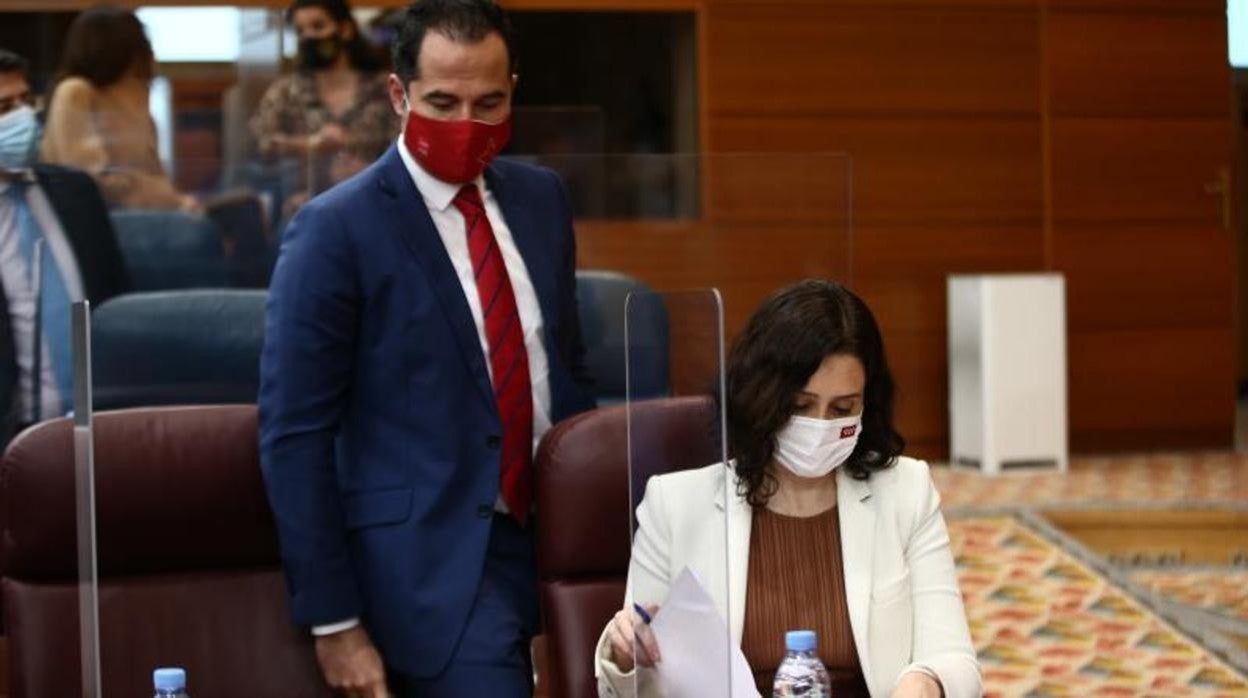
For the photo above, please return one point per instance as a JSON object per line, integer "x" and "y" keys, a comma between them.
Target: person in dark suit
{"x": 421, "y": 336}
{"x": 66, "y": 213}
{"x": 56, "y": 247}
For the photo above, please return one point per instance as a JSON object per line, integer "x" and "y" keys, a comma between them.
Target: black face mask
{"x": 319, "y": 54}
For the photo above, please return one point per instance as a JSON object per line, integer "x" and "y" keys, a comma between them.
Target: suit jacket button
{"x": 493, "y": 441}
{"x": 485, "y": 511}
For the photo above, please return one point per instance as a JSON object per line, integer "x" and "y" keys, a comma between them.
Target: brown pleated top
{"x": 796, "y": 583}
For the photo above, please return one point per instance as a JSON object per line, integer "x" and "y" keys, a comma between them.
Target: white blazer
{"x": 905, "y": 608}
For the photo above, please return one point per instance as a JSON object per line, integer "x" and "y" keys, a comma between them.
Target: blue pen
{"x": 641, "y": 612}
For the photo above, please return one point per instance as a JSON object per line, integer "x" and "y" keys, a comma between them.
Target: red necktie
{"x": 509, "y": 362}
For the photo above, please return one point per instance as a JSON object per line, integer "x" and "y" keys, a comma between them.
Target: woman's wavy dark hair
{"x": 364, "y": 56}
{"x": 104, "y": 43}
{"x": 780, "y": 348}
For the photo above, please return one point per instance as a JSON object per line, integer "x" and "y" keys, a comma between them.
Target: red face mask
{"x": 454, "y": 151}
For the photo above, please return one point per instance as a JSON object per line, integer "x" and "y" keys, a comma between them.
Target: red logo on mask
{"x": 847, "y": 432}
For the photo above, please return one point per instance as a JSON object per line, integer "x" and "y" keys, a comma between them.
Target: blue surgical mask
{"x": 19, "y": 138}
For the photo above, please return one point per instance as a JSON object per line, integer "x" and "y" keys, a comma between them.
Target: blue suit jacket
{"x": 378, "y": 427}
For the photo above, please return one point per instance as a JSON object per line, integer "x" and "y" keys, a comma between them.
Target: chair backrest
{"x": 170, "y": 250}
{"x": 601, "y": 298}
{"x": 187, "y": 556}
{"x": 584, "y": 538}
{"x": 188, "y": 347}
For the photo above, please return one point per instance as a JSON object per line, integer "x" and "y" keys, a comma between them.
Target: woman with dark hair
{"x": 333, "y": 112}
{"x": 828, "y": 526}
{"x": 99, "y": 119}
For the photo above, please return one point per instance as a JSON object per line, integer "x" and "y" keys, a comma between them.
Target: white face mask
{"x": 815, "y": 447}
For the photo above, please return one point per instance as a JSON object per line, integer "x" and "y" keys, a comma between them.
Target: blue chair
{"x": 178, "y": 348}
{"x": 601, "y": 298}
{"x": 167, "y": 250}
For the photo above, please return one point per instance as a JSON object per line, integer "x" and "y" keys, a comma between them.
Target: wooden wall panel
{"x": 906, "y": 285}
{"x": 827, "y": 58}
{"x": 1140, "y": 101}
{"x": 1151, "y": 389}
{"x": 1111, "y": 169}
{"x": 1139, "y": 277}
{"x": 918, "y": 360}
{"x": 806, "y": 188}
{"x": 1092, "y": 75}
{"x": 745, "y": 262}
{"x": 1134, "y": 7}
{"x": 909, "y": 170}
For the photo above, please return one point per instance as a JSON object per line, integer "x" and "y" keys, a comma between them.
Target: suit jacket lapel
{"x": 418, "y": 232}
{"x": 857, "y": 519}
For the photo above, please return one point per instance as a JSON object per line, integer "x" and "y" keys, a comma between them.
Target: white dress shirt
{"x": 21, "y": 292}
{"x": 453, "y": 229}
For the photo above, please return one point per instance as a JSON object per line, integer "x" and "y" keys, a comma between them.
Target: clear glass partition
{"x": 679, "y": 428}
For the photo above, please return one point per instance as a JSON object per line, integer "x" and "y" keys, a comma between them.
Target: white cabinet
{"x": 1007, "y": 371}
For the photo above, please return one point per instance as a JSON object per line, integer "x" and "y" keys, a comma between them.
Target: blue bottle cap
{"x": 169, "y": 679}
{"x": 800, "y": 640}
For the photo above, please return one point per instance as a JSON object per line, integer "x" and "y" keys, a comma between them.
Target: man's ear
{"x": 398, "y": 94}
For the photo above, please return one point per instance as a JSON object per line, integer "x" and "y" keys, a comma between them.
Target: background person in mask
{"x": 99, "y": 119}
{"x": 19, "y": 125}
{"x": 421, "y": 337}
{"x": 333, "y": 113}
{"x": 56, "y": 247}
{"x": 829, "y": 526}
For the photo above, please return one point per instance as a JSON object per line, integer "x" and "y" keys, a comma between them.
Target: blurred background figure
{"x": 19, "y": 126}
{"x": 99, "y": 119}
{"x": 51, "y": 218}
{"x": 332, "y": 114}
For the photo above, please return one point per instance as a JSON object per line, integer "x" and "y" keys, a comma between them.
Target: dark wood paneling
{"x": 918, "y": 362}
{"x": 1138, "y": 65}
{"x": 828, "y": 58}
{"x": 902, "y": 270}
{"x": 914, "y": 170}
{"x": 779, "y": 188}
{"x": 1137, "y": 277}
{"x": 1134, "y": 7}
{"x": 745, "y": 262}
{"x": 1152, "y": 388}
{"x": 1115, "y": 170}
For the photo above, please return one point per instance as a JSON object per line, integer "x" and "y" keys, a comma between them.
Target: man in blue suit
{"x": 421, "y": 337}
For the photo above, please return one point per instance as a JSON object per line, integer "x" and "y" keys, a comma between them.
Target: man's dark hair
{"x": 12, "y": 63}
{"x": 460, "y": 20}
{"x": 780, "y": 348}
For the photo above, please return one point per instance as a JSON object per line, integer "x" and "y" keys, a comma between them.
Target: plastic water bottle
{"x": 801, "y": 673}
{"x": 170, "y": 683}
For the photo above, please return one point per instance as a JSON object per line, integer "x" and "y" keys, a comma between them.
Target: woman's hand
{"x": 330, "y": 137}
{"x": 191, "y": 205}
{"x": 916, "y": 684}
{"x": 628, "y": 632}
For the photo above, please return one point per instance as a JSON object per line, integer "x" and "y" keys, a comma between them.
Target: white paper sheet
{"x": 694, "y": 647}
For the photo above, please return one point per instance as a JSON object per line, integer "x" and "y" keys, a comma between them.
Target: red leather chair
{"x": 586, "y": 519}
{"x": 187, "y": 555}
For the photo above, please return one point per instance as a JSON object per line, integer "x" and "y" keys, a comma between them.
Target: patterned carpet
{"x": 1220, "y": 591}
{"x": 1190, "y": 478}
{"x": 1045, "y": 624}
